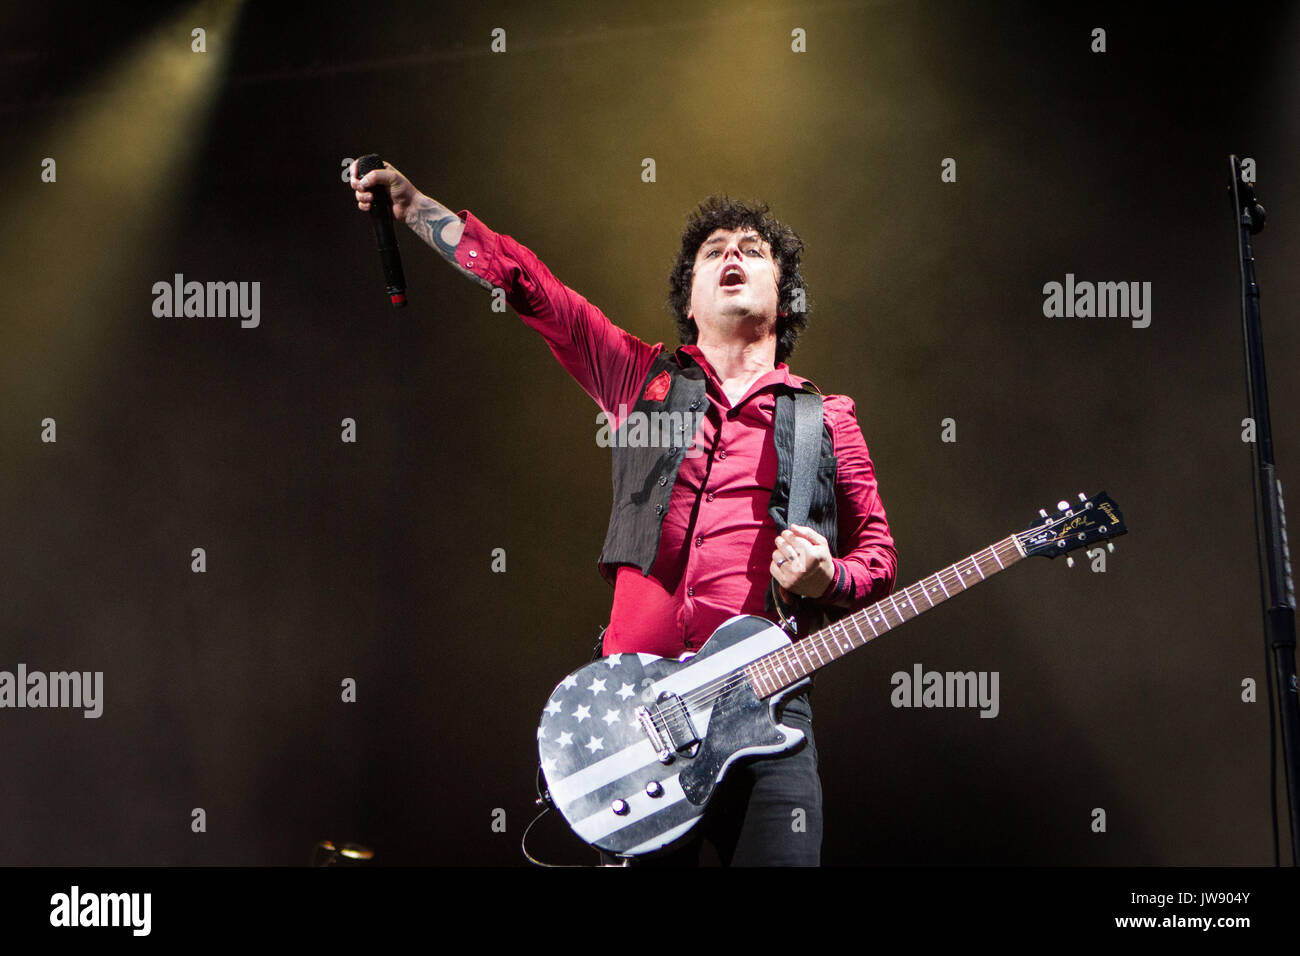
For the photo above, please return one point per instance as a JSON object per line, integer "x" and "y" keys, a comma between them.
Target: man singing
{"x": 696, "y": 538}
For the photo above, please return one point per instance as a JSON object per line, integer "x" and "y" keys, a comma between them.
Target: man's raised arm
{"x": 429, "y": 219}
{"x": 608, "y": 362}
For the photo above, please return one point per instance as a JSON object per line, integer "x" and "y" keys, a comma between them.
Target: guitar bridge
{"x": 668, "y": 725}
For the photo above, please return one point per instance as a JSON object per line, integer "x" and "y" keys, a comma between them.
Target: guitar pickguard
{"x": 739, "y": 722}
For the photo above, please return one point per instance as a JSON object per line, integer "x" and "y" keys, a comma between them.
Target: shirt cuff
{"x": 477, "y": 250}
{"x": 839, "y": 585}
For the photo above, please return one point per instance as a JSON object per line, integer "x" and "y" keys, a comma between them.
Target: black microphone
{"x": 381, "y": 217}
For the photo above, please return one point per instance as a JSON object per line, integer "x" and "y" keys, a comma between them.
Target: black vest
{"x": 644, "y": 476}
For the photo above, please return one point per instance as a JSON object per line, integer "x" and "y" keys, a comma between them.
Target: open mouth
{"x": 732, "y": 275}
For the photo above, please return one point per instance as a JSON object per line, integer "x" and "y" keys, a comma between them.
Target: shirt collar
{"x": 788, "y": 378}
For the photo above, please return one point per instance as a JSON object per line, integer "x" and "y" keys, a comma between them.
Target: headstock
{"x": 1087, "y": 522}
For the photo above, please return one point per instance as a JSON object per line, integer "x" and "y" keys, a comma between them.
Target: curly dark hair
{"x": 723, "y": 212}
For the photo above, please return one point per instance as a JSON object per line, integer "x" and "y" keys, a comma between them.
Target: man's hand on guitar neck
{"x": 802, "y": 563}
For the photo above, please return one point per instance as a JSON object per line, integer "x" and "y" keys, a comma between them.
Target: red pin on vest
{"x": 381, "y": 217}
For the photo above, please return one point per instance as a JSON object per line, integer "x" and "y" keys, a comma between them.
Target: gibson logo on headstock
{"x": 1110, "y": 513}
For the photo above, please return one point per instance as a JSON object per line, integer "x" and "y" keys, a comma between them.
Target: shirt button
{"x": 663, "y": 480}
{"x": 709, "y": 496}
{"x": 690, "y": 592}
{"x": 722, "y": 454}
{"x": 659, "y": 509}
{"x": 472, "y": 253}
{"x": 699, "y": 542}
{"x": 695, "y": 404}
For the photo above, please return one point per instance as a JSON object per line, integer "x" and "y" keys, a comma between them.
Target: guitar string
{"x": 719, "y": 687}
{"x": 714, "y": 690}
{"x": 708, "y": 693}
{"x": 701, "y": 694}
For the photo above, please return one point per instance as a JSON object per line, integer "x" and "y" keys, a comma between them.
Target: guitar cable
{"x": 544, "y": 801}
{"x": 544, "y": 795}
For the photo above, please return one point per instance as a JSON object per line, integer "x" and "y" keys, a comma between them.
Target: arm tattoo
{"x": 429, "y": 225}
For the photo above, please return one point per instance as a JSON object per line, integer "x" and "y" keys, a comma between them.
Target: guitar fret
{"x": 847, "y": 638}
{"x": 816, "y": 650}
{"x": 786, "y": 666}
{"x": 860, "y": 639}
{"x": 839, "y": 648}
{"x": 797, "y": 658}
{"x": 861, "y": 635}
{"x": 779, "y": 670}
{"x": 803, "y": 663}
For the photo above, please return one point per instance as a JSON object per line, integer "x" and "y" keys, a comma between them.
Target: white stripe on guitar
{"x": 603, "y": 772}
{"x": 702, "y": 670}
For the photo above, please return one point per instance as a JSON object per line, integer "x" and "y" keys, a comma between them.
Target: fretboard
{"x": 781, "y": 668}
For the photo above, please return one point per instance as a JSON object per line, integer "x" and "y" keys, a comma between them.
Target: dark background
{"x": 372, "y": 560}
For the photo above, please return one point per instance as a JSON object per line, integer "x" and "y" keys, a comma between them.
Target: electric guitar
{"x": 633, "y": 746}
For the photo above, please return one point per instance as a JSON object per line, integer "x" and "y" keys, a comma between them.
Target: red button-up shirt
{"x": 717, "y": 538}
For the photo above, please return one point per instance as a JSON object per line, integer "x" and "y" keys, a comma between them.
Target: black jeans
{"x": 767, "y": 811}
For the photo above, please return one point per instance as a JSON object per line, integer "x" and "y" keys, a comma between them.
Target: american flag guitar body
{"x": 633, "y": 746}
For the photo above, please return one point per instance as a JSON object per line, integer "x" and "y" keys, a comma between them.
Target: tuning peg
{"x": 1069, "y": 562}
{"x": 1042, "y": 512}
{"x": 1082, "y": 496}
{"x": 1110, "y": 546}
{"x": 1062, "y": 506}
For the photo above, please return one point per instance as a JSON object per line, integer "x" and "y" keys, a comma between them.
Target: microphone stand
{"x": 1277, "y": 587}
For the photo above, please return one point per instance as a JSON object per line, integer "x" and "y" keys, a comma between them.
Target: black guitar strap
{"x": 807, "y": 449}
{"x": 803, "y": 473}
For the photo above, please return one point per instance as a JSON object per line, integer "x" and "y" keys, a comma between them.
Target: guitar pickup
{"x": 668, "y": 725}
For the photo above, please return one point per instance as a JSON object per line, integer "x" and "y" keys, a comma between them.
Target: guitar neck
{"x": 780, "y": 669}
